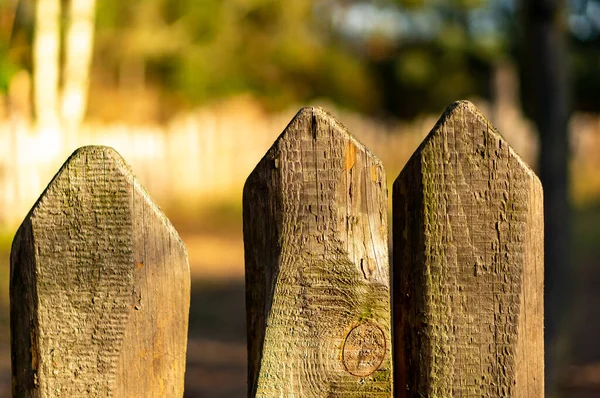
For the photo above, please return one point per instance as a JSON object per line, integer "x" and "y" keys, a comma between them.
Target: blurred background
{"x": 193, "y": 93}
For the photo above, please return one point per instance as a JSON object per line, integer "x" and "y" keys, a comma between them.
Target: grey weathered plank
{"x": 99, "y": 288}
{"x": 468, "y": 266}
{"x": 317, "y": 271}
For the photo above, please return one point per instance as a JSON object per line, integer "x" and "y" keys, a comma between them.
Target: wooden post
{"x": 99, "y": 288}
{"x": 317, "y": 273}
{"x": 468, "y": 266}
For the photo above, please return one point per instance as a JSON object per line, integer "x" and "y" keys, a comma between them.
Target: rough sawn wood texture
{"x": 99, "y": 288}
{"x": 317, "y": 271}
{"x": 468, "y": 266}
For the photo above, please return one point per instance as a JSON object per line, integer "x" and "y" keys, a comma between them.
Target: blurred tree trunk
{"x": 59, "y": 112}
{"x": 79, "y": 44}
{"x": 545, "y": 24}
{"x": 46, "y": 63}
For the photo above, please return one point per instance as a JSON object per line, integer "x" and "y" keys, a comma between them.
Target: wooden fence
{"x": 100, "y": 285}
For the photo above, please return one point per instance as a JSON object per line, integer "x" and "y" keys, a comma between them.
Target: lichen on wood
{"x": 99, "y": 288}
{"x": 468, "y": 266}
{"x": 317, "y": 271}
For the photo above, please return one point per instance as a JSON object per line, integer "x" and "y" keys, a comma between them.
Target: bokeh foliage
{"x": 399, "y": 57}
{"x": 201, "y": 50}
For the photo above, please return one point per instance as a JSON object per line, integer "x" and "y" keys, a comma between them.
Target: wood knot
{"x": 364, "y": 349}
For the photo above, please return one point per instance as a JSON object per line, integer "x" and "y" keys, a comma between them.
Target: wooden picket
{"x": 317, "y": 273}
{"x": 99, "y": 288}
{"x": 468, "y": 266}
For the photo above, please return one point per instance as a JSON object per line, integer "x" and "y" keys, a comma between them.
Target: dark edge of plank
{"x": 23, "y": 310}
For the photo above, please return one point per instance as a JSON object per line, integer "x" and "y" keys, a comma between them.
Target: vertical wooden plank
{"x": 99, "y": 288}
{"x": 468, "y": 266}
{"x": 317, "y": 270}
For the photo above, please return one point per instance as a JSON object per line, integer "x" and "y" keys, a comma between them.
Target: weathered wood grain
{"x": 99, "y": 288}
{"x": 317, "y": 271}
{"x": 468, "y": 266}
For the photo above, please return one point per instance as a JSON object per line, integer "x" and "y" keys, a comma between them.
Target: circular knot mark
{"x": 364, "y": 349}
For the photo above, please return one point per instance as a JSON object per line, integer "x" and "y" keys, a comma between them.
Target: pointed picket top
{"x": 120, "y": 167}
{"x": 317, "y": 271}
{"x": 468, "y": 265}
{"x": 466, "y": 113}
{"x": 100, "y": 287}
